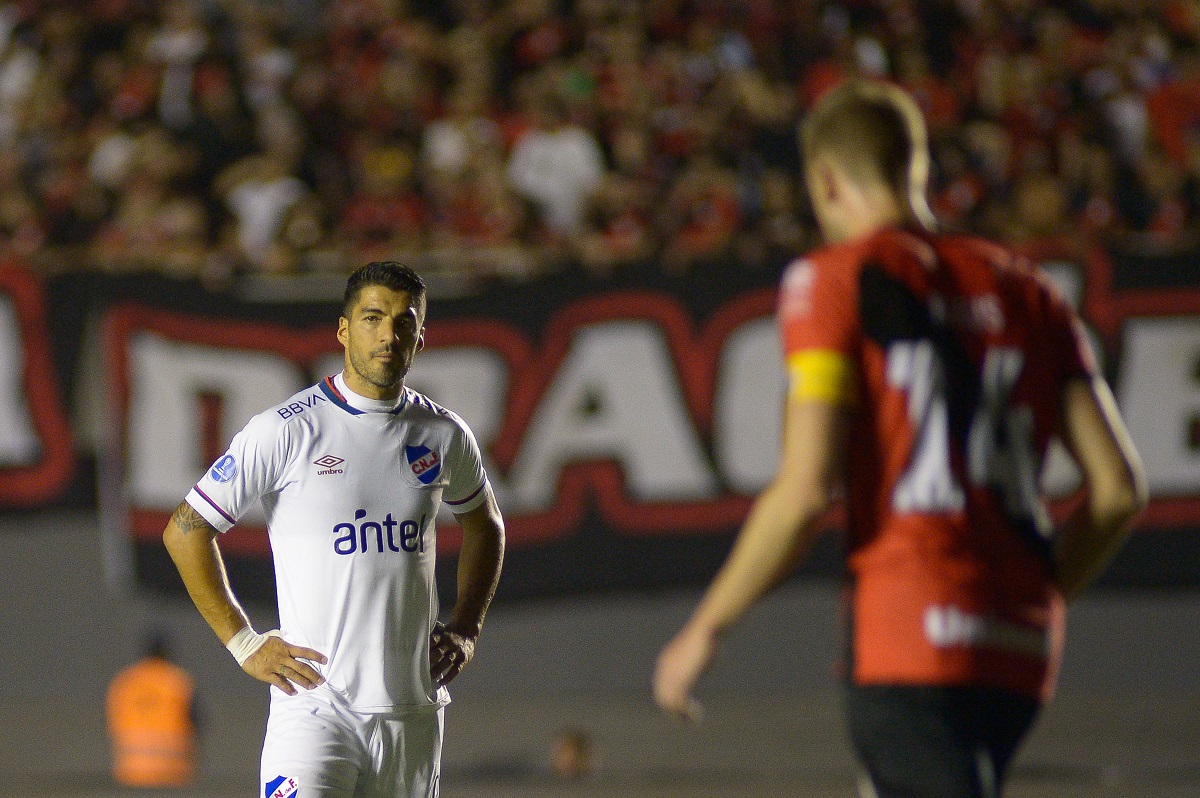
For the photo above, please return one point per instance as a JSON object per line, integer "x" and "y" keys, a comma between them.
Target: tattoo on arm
{"x": 187, "y": 519}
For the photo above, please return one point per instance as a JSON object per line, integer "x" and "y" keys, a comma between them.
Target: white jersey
{"x": 351, "y": 489}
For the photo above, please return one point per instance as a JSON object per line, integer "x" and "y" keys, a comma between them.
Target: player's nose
{"x": 389, "y": 332}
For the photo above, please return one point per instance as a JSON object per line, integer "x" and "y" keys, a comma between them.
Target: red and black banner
{"x": 37, "y": 456}
{"x": 626, "y": 424}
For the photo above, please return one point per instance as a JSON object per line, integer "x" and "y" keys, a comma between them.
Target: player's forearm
{"x": 777, "y": 534}
{"x": 479, "y": 562}
{"x": 1093, "y": 533}
{"x": 1114, "y": 484}
{"x": 191, "y": 542}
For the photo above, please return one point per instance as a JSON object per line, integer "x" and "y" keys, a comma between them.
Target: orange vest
{"x": 150, "y": 723}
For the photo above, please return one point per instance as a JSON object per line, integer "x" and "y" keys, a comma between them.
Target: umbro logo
{"x": 329, "y": 464}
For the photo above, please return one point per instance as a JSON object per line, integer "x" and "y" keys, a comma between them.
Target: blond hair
{"x": 874, "y": 131}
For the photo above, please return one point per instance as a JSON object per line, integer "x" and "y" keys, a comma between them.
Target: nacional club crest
{"x": 424, "y": 462}
{"x": 281, "y": 787}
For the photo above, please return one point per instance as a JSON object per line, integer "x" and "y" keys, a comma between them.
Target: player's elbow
{"x": 173, "y": 539}
{"x": 496, "y": 533}
{"x": 1119, "y": 502}
{"x": 1132, "y": 498}
{"x": 798, "y": 507}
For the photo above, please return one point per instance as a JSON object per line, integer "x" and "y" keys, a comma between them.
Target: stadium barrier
{"x": 627, "y": 423}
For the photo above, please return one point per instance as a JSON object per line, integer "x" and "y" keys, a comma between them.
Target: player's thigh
{"x": 309, "y": 751}
{"x": 912, "y": 745}
{"x": 1001, "y": 719}
{"x": 407, "y": 755}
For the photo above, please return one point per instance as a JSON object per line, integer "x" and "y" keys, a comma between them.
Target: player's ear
{"x": 343, "y": 330}
{"x": 421, "y": 339}
{"x": 826, "y": 180}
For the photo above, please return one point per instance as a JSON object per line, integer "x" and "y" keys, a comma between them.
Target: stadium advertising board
{"x": 36, "y": 452}
{"x": 626, "y": 427}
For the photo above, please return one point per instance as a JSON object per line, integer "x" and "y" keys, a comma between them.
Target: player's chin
{"x": 389, "y": 377}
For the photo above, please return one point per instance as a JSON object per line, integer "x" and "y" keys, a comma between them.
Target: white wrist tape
{"x": 243, "y": 644}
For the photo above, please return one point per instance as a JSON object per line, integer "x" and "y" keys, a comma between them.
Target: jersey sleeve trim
{"x": 470, "y": 502}
{"x": 473, "y": 495}
{"x": 822, "y": 375}
{"x": 204, "y": 505}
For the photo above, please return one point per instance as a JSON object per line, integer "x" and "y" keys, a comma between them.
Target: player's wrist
{"x": 246, "y": 642}
{"x": 465, "y": 629}
{"x": 707, "y": 629}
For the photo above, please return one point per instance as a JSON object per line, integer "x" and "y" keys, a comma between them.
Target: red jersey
{"x": 952, "y": 355}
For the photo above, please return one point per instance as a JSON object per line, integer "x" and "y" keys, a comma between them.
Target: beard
{"x": 382, "y": 374}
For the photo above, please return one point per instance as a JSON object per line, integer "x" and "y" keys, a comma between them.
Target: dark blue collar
{"x": 330, "y": 390}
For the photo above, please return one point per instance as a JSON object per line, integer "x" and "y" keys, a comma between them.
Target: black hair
{"x": 387, "y": 273}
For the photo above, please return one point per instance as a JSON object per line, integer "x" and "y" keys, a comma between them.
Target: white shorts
{"x": 316, "y": 747}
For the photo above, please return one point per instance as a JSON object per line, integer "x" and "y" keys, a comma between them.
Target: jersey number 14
{"x": 996, "y": 447}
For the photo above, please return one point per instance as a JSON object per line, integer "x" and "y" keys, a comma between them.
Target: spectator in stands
{"x": 649, "y": 89}
{"x": 177, "y": 46}
{"x": 617, "y": 229}
{"x": 773, "y": 234}
{"x": 557, "y": 165}
{"x": 385, "y": 216}
{"x": 699, "y": 217}
{"x": 449, "y": 144}
{"x": 259, "y": 192}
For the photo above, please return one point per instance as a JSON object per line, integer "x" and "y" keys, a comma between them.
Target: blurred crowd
{"x": 480, "y": 138}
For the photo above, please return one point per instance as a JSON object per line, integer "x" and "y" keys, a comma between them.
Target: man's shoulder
{"x": 842, "y": 255}
{"x": 982, "y": 249}
{"x": 830, "y": 264}
{"x": 420, "y": 409}
{"x": 305, "y": 403}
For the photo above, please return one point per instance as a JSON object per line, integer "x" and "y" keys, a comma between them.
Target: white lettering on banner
{"x": 166, "y": 379}
{"x": 605, "y": 393}
{"x": 1160, "y": 397}
{"x": 748, "y": 407}
{"x": 18, "y": 438}
{"x": 470, "y": 380}
{"x": 615, "y": 397}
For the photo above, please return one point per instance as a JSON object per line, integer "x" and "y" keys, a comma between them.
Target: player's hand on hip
{"x": 680, "y": 665}
{"x": 449, "y": 653}
{"x": 282, "y": 664}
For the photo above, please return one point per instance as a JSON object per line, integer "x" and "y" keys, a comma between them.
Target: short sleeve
{"x": 818, "y": 325}
{"x": 1069, "y": 337}
{"x": 468, "y": 487}
{"x": 241, "y": 476}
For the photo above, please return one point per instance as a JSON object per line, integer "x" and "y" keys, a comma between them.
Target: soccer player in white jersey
{"x": 351, "y": 473}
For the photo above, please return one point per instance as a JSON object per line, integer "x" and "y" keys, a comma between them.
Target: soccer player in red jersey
{"x": 927, "y": 374}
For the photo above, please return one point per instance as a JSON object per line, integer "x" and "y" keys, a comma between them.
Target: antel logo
{"x": 329, "y": 464}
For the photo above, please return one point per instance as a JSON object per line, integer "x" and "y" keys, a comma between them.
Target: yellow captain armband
{"x": 822, "y": 375}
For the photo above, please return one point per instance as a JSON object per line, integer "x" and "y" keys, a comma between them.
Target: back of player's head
{"x": 875, "y": 131}
{"x": 386, "y": 273}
